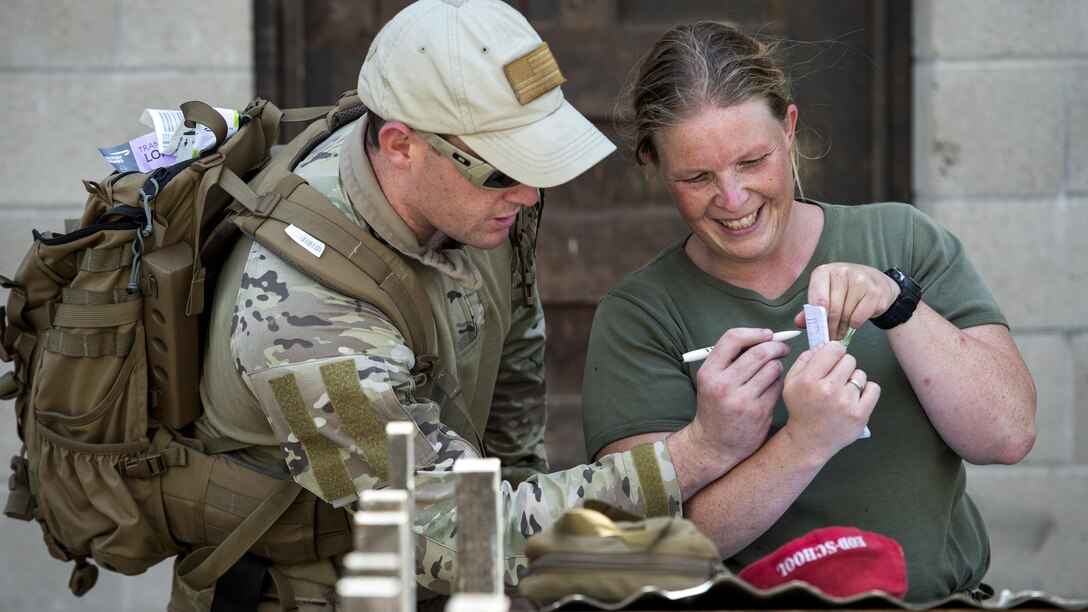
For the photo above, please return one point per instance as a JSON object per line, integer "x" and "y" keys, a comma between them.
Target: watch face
{"x": 906, "y": 283}
{"x": 903, "y": 306}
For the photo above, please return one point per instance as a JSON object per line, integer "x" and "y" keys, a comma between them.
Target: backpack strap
{"x": 352, "y": 262}
{"x": 206, "y": 564}
{"x": 359, "y": 264}
{"x": 523, "y": 239}
{"x": 224, "y": 161}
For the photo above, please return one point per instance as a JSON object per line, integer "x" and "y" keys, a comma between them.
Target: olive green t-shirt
{"x": 904, "y": 482}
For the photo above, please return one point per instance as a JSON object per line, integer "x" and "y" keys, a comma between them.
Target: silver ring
{"x": 854, "y": 382}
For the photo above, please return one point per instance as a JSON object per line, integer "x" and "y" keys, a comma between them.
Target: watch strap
{"x": 910, "y": 293}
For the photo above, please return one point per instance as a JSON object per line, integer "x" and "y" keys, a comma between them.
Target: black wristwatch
{"x": 903, "y": 306}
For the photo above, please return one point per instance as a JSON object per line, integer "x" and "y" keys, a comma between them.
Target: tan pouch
{"x": 609, "y": 554}
{"x": 208, "y": 499}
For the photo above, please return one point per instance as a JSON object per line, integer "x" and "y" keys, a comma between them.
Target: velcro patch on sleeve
{"x": 356, "y": 413}
{"x": 324, "y": 457}
{"x": 649, "y": 476}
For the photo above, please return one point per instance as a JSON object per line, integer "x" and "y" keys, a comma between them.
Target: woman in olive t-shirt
{"x": 932, "y": 369}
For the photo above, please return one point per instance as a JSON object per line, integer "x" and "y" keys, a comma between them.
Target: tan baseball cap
{"x": 476, "y": 69}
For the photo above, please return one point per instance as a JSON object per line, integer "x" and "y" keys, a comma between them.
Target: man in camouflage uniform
{"x": 290, "y": 363}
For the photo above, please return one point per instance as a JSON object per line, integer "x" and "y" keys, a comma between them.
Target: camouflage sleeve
{"x": 515, "y": 426}
{"x": 641, "y": 480}
{"x": 329, "y": 372}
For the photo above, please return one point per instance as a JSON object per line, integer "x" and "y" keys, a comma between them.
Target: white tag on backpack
{"x": 305, "y": 240}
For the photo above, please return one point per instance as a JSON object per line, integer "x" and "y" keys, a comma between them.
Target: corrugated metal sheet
{"x": 728, "y": 592}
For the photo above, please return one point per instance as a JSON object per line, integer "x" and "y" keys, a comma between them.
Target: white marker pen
{"x": 701, "y": 354}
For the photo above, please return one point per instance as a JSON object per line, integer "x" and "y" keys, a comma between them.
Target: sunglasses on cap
{"x": 476, "y": 170}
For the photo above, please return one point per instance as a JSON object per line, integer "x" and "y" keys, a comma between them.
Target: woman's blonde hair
{"x": 692, "y": 67}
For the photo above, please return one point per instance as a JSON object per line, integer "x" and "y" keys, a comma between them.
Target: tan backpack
{"x": 103, "y": 326}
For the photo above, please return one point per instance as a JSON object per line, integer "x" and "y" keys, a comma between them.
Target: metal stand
{"x": 380, "y": 572}
{"x": 479, "y": 538}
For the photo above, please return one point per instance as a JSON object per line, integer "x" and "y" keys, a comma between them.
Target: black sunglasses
{"x": 476, "y": 170}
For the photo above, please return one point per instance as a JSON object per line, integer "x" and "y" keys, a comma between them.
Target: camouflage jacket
{"x": 296, "y": 369}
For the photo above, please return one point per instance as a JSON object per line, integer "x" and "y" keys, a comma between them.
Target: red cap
{"x": 840, "y": 561}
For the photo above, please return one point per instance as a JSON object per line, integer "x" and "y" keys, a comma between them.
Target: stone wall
{"x": 75, "y": 75}
{"x": 1001, "y": 158}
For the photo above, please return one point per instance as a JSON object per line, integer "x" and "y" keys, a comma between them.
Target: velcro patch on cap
{"x": 534, "y": 74}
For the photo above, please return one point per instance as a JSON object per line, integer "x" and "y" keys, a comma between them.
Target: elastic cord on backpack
{"x": 143, "y": 232}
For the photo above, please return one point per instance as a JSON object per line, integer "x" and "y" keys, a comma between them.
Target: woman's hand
{"x": 828, "y": 399}
{"x": 851, "y": 293}
{"x": 738, "y": 386}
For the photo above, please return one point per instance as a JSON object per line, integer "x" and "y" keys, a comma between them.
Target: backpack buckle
{"x": 266, "y": 204}
{"x": 9, "y": 386}
{"x": 21, "y": 502}
{"x": 84, "y": 576}
{"x": 143, "y": 466}
{"x": 212, "y": 159}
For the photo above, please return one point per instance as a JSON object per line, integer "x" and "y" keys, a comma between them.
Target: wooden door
{"x": 849, "y": 61}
